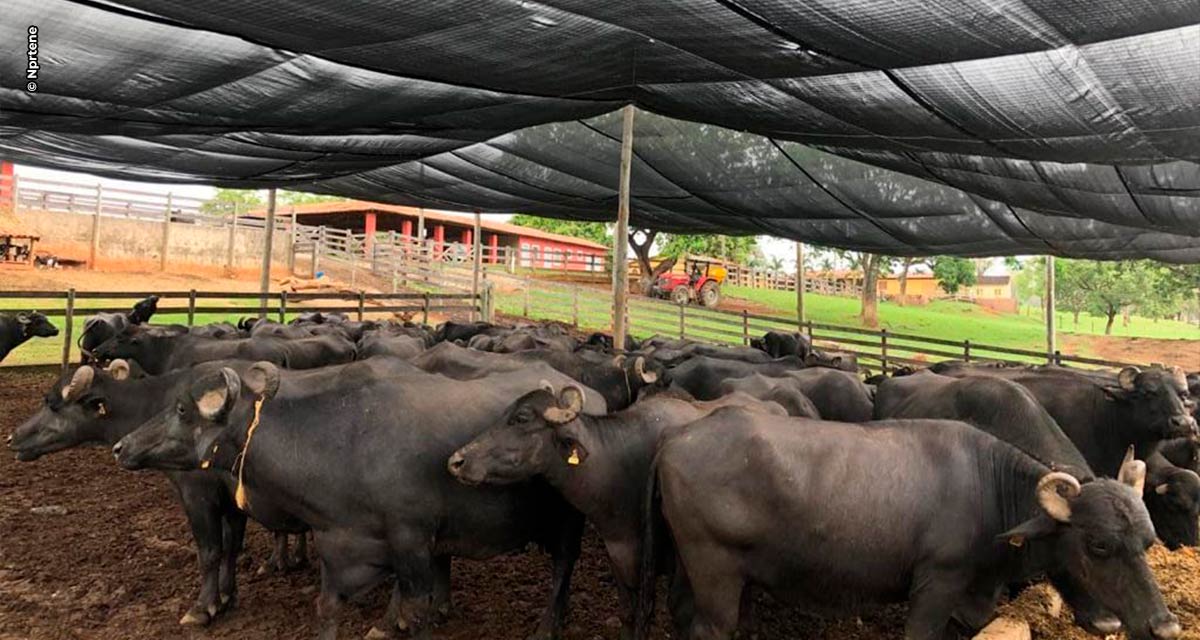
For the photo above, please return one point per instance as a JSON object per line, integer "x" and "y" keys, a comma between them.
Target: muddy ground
{"x": 119, "y": 564}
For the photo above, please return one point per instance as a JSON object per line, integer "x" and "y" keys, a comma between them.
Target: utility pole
{"x": 264, "y": 287}
{"x": 621, "y": 234}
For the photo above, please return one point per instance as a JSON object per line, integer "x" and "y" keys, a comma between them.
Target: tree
{"x": 954, "y": 273}
{"x": 1107, "y": 288}
{"x": 871, "y": 265}
{"x": 225, "y": 201}
{"x": 733, "y": 248}
{"x": 304, "y": 197}
{"x": 594, "y": 231}
{"x": 641, "y": 251}
{"x": 905, "y": 265}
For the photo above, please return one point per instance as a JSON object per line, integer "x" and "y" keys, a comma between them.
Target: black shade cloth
{"x": 971, "y": 127}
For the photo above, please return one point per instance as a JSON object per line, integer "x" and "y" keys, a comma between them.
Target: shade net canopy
{"x": 970, "y": 127}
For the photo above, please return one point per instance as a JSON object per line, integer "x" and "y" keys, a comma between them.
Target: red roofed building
{"x": 534, "y": 248}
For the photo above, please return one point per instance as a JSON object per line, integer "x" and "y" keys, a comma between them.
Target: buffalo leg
{"x": 350, "y": 565}
{"x": 204, "y": 519}
{"x": 278, "y": 560}
{"x": 933, "y": 598}
{"x": 441, "y": 587}
{"x": 300, "y": 560}
{"x": 234, "y": 530}
{"x": 564, "y": 553}
{"x": 414, "y": 591}
{"x": 717, "y": 587}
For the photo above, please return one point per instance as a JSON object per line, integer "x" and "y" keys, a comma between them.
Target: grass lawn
{"x": 958, "y": 320}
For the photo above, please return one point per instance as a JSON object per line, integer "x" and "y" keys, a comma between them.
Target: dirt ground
{"x": 119, "y": 564}
{"x": 1185, "y": 353}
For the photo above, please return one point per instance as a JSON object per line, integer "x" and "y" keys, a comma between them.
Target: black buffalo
{"x": 160, "y": 353}
{"x": 362, "y": 460}
{"x": 15, "y": 330}
{"x": 934, "y": 512}
{"x": 785, "y": 391}
{"x": 600, "y": 464}
{"x": 778, "y": 344}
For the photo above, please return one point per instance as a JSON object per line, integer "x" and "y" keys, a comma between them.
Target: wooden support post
{"x": 292, "y": 244}
{"x": 800, "y": 284}
{"x": 264, "y": 278}
{"x": 421, "y": 257}
{"x": 745, "y": 328}
{"x": 318, "y": 247}
{"x": 425, "y": 308}
{"x": 1051, "y": 337}
{"x": 682, "y": 321}
{"x": 282, "y": 307}
{"x": 68, "y": 329}
{"x": 621, "y": 234}
{"x": 362, "y": 303}
{"x": 191, "y": 307}
{"x": 966, "y": 350}
{"x": 477, "y": 260}
{"x": 166, "y": 236}
{"x": 95, "y": 229}
{"x": 575, "y": 306}
{"x": 230, "y": 251}
{"x": 526, "y": 311}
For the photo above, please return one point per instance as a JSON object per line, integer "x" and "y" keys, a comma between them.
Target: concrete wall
{"x": 69, "y": 235}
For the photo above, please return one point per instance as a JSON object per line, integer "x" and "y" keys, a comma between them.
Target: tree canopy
{"x": 954, "y": 273}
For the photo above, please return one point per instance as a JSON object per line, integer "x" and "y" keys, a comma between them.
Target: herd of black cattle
{"x": 401, "y": 446}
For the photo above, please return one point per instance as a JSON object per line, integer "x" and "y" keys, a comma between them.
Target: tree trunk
{"x": 1075, "y": 314}
{"x": 1112, "y": 315}
{"x": 642, "y": 252}
{"x": 904, "y": 282}
{"x": 870, "y": 291}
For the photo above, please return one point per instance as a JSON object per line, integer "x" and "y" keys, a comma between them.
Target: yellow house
{"x": 994, "y": 292}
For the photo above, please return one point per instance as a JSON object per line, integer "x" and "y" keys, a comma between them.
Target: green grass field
{"x": 959, "y": 320}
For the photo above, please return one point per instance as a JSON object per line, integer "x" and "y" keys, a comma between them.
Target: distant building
{"x": 993, "y": 292}
{"x": 532, "y": 248}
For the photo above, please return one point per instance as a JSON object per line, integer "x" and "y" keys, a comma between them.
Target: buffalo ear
{"x": 216, "y": 394}
{"x": 263, "y": 379}
{"x": 1133, "y": 473}
{"x": 1036, "y": 527}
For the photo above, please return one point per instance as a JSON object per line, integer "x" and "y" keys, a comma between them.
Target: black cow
{"x": 15, "y": 330}
{"x": 159, "y": 353}
{"x": 600, "y": 464}
{"x": 837, "y": 395}
{"x": 1103, "y": 414}
{"x": 935, "y": 512}
{"x": 101, "y": 406}
{"x": 701, "y": 376}
{"x": 1173, "y": 499}
{"x": 616, "y": 382}
{"x": 1000, "y": 407}
{"x": 102, "y": 326}
{"x": 363, "y": 462}
{"x": 778, "y": 344}
{"x": 785, "y": 391}
{"x": 382, "y": 343}
{"x": 604, "y": 342}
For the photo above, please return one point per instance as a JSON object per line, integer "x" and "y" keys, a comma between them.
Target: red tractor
{"x": 699, "y": 281}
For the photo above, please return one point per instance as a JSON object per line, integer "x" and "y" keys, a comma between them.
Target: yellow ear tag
{"x": 205, "y": 464}
{"x": 1017, "y": 541}
{"x": 574, "y": 459}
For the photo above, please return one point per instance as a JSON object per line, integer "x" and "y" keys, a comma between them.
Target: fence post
{"x": 68, "y": 329}
{"x": 883, "y": 349}
{"x": 682, "y": 321}
{"x": 745, "y": 328}
{"x": 809, "y": 325}
{"x": 966, "y": 350}
{"x": 575, "y": 306}
{"x": 282, "y": 307}
{"x": 1057, "y": 357}
{"x": 318, "y": 247}
{"x": 489, "y": 308}
{"x": 425, "y": 308}
{"x": 362, "y": 301}
{"x": 166, "y": 236}
{"x": 526, "y": 311}
{"x": 95, "y": 251}
{"x": 191, "y": 307}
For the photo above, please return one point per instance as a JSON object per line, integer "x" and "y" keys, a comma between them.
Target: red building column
{"x": 439, "y": 240}
{"x": 494, "y": 247}
{"x": 369, "y": 229}
{"x": 466, "y": 237}
{"x": 7, "y": 194}
{"x": 406, "y": 228}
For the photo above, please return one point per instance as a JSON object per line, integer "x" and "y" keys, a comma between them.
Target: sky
{"x": 771, "y": 247}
